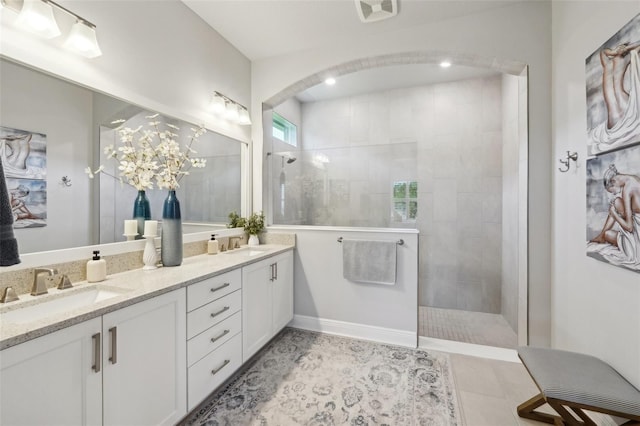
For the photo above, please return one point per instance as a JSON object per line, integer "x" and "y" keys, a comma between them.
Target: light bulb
{"x": 217, "y": 104}
{"x": 243, "y": 118}
{"x": 37, "y": 17}
{"x": 231, "y": 113}
{"x": 82, "y": 40}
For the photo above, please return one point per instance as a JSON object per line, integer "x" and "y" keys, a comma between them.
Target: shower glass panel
{"x": 345, "y": 186}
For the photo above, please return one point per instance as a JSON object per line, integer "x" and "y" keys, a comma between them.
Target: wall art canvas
{"x": 613, "y": 91}
{"x": 24, "y": 159}
{"x": 613, "y": 208}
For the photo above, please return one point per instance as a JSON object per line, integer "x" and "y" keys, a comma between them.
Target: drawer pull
{"x": 213, "y": 290}
{"x": 215, "y": 370}
{"x": 96, "y": 352}
{"x": 113, "y": 331}
{"x": 221, "y": 311}
{"x": 224, "y": 333}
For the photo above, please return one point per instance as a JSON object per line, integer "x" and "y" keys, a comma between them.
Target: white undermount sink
{"x": 52, "y": 304}
{"x": 247, "y": 251}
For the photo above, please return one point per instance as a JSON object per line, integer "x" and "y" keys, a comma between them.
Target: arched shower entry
{"x": 447, "y": 158}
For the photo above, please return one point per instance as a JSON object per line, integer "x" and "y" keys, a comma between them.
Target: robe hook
{"x": 567, "y": 163}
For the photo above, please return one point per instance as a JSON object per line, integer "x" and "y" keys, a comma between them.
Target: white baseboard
{"x": 358, "y": 331}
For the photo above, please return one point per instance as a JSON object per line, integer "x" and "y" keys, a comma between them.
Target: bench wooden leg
{"x": 526, "y": 410}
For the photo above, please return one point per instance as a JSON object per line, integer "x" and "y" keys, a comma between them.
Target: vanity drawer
{"x": 212, "y": 313}
{"x": 206, "y": 291}
{"x": 213, "y": 337}
{"x": 211, "y": 371}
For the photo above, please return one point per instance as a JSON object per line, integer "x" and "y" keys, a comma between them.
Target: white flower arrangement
{"x": 152, "y": 154}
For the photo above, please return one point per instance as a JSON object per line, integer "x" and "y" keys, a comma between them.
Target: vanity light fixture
{"x": 229, "y": 109}
{"x": 82, "y": 39}
{"x": 37, "y": 16}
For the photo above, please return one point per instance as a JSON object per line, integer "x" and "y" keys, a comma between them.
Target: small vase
{"x": 141, "y": 212}
{"x": 253, "y": 240}
{"x": 171, "y": 248}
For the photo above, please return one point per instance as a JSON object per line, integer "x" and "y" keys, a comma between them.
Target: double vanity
{"x": 142, "y": 347}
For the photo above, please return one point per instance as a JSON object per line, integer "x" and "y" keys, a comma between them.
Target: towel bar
{"x": 399, "y": 242}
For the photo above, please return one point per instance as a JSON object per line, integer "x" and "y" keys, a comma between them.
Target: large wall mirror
{"x": 65, "y": 128}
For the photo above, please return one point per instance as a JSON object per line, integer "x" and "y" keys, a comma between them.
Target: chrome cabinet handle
{"x": 113, "y": 332}
{"x": 215, "y": 314}
{"x": 272, "y": 273}
{"x": 215, "y": 370}
{"x": 213, "y": 290}
{"x": 224, "y": 333}
{"x": 96, "y": 352}
{"x": 275, "y": 266}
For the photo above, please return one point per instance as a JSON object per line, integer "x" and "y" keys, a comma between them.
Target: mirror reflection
{"x": 66, "y": 128}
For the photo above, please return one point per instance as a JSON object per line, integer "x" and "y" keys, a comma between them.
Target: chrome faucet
{"x": 39, "y": 280}
{"x": 8, "y": 295}
{"x": 234, "y": 242}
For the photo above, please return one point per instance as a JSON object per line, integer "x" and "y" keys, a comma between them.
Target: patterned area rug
{"x": 307, "y": 378}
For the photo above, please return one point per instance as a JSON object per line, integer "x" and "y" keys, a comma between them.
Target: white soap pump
{"x": 212, "y": 245}
{"x": 96, "y": 268}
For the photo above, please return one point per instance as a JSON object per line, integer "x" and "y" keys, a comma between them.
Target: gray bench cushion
{"x": 581, "y": 379}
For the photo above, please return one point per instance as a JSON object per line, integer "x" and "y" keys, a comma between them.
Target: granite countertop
{"x": 135, "y": 286}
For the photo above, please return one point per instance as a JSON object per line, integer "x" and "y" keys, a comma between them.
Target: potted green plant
{"x": 253, "y": 226}
{"x": 236, "y": 221}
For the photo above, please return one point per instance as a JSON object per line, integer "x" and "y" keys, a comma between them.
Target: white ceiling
{"x": 267, "y": 28}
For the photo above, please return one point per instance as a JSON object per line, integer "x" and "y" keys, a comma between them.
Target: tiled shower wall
{"x": 448, "y": 138}
{"x": 460, "y": 169}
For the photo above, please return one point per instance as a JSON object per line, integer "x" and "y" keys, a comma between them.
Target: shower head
{"x": 291, "y": 160}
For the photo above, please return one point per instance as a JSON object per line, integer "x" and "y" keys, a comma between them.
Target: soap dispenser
{"x": 212, "y": 245}
{"x": 96, "y": 268}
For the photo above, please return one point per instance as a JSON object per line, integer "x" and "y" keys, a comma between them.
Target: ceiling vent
{"x": 376, "y": 10}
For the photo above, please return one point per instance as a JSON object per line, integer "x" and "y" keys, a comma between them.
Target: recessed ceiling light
{"x": 445, "y": 64}
{"x": 330, "y": 81}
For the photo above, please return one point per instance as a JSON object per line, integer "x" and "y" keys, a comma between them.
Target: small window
{"x": 284, "y": 130}
{"x": 405, "y": 201}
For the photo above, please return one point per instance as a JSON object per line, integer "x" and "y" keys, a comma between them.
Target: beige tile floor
{"x": 489, "y": 391}
{"x": 466, "y": 326}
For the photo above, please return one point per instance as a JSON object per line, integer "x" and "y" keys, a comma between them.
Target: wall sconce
{"x": 36, "y": 16}
{"x": 229, "y": 109}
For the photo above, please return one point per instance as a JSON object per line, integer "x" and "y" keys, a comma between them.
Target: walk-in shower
{"x": 444, "y": 158}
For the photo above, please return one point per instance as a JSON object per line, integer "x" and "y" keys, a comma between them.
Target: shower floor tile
{"x": 466, "y": 326}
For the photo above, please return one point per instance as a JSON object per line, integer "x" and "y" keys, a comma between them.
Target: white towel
{"x": 369, "y": 261}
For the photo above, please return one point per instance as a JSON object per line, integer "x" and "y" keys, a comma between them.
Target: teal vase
{"x": 141, "y": 212}
{"x": 171, "y": 241}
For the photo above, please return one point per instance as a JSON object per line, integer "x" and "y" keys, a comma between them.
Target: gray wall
{"x": 448, "y": 137}
{"x": 460, "y": 169}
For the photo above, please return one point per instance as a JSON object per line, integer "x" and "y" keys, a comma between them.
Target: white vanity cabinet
{"x": 267, "y": 301}
{"x": 214, "y": 327}
{"x": 144, "y": 378}
{"x": 127, "y": 367}
{"x": 54, "y": 379}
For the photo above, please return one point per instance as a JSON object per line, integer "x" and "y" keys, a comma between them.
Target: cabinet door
{"x": 144, "y": 374}
{"x": 52, "y": 379}
{"x": 256, "y": 307}
{"x": 282, "y": 292}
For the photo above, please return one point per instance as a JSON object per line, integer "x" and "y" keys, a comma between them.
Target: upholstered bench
{"x": 573, "y": 381}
